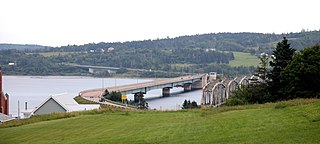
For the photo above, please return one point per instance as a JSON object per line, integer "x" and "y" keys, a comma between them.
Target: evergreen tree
{"x": 185, "y": 104}
{"x": 302, "y": 75}
{"x": 262, "y": 70}
{"x": 281, "y": 57}
{"x": 142, "y": 104}
{"x": 189, "y": 105}
{"x": 194, "y": 104}
{"x": 106, "y": 93}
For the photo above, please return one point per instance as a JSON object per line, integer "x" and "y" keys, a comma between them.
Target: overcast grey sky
{"x": 63, "y": 22}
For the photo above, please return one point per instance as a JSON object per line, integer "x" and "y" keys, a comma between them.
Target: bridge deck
{"x": 96, "y": 93}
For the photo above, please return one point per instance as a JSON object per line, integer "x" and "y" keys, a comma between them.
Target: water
{"x": 36, "y": 89}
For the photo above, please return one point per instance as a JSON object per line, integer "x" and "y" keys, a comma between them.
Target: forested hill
{"x": 244, "y": 42}
{"x": 186, "y": 54}
{"x": 21, "y": 46}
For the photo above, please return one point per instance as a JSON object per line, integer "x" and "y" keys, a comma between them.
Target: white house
{"x": 4, "y": 118}
{"x": 62, "y": 103}
{"x": 110, "y": 49}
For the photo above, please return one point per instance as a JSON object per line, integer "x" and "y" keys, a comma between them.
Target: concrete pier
{"x": 196, "y": 85}
{"x": 166, "y": 91}
{"x": 187, "y": 87}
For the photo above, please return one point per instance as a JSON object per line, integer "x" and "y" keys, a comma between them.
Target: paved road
{"x": 117, "y": 68}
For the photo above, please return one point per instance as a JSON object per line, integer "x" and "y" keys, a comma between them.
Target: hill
{"x": 243, "y": 42}
{"x": 295, "y": 121}
{"x": 21, "y": 47}
{"x": 232, "y": 54}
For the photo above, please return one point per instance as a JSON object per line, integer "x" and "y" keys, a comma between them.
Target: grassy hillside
{"x": 295, "y": 121}
{"x": 244, "y": 59}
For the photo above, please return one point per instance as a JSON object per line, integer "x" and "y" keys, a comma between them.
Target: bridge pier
{"x": 196, "y": 85}
{"x": 187, "y": 87}
{"x": 204, "y": 80}
{"x": 166, "y": 91}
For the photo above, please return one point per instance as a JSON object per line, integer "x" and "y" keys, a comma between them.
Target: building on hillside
{"x": 62, "y": 103}
{"x": 110, "y": 49}
{"x": 4, "y": 98}
{"x": 101, "y": 71}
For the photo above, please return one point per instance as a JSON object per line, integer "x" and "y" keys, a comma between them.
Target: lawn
{"x": 295, "y": 121}
{"x": 244, "y": 59}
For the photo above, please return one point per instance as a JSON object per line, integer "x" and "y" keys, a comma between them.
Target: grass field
{"x": 48, "y": 54}
{"x": 296, "y": 121}
{"x": 244, "y": 59}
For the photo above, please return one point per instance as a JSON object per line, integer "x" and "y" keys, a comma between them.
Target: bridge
{"x": 215, "y": 93}
{"x": 92, "y": 68}
{"x": 187, "y": 82}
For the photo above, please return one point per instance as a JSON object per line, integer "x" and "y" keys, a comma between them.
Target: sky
{"x": 68, "y": 22}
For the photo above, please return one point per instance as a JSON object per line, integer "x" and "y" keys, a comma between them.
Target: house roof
{"x": 67, "y": 102}
{"x": 4, "y": 118}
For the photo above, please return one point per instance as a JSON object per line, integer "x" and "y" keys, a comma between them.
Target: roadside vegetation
{"x": 116, "y": 97}
{"x": 81, "y": 100}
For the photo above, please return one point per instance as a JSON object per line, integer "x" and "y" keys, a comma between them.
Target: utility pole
{"x": 115, "y": 84}
{"x": 18, "y": 109}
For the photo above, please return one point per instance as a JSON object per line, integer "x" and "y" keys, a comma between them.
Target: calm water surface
{"x": 36, "y": 89}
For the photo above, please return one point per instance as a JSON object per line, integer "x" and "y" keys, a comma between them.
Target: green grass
{"x": 81, "y": 100}
{"x": 244, "y": 59}
{"x": 48, "y": 54}
{"x": 296, "y": 121}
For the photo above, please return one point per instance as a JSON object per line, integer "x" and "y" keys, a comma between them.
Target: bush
{"x": 252, "y": 93}
{"x": 281, "y": 106}
{"x": 189, "y": 105}
{"x": 113, "y": 96}
{"x": 235, "y": 101}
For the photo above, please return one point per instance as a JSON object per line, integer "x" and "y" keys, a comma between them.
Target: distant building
{"x": 62, "y": 103}
{"x": 210, "y": 49}
{"x": 11, "y": 64}
{"x": 4, "y": 98}
{"x": 110, "y": 49}
{"x": 101, "y": 70}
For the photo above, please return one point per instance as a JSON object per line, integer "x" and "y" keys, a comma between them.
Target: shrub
{"x": 281, "y": 106}
{"x": 252, "y": 93}
{"x": 189, "y": 105}
{"x": 235, "y": 101}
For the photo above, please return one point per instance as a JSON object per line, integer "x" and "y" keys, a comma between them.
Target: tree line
{"x": 291, "y": 75}
{"x": 186, "y": 54}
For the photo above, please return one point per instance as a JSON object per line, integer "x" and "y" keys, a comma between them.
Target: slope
{"x": 295, "y": 121}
